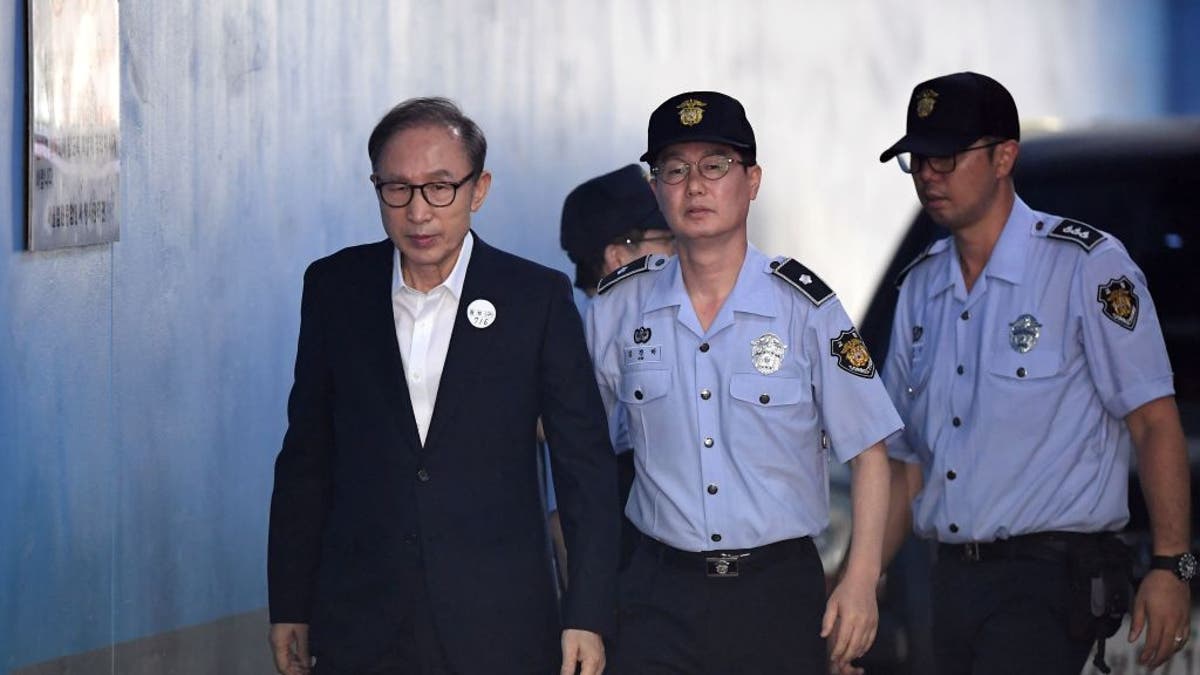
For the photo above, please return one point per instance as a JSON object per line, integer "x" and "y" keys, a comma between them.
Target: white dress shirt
{"x": 424, "y": 322}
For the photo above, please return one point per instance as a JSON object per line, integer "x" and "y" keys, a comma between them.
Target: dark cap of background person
{"x": 602, "y": 210}
{"x": 948, "y": 113}
{"x": 700, "y": 116}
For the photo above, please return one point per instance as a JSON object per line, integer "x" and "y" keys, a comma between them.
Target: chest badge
{"x": 1023, "y": 333}
{"x": 1119, "y": 302}
{"x": 641, "y": 335}
{"x": 852, "y": 355}
{"x": 766, "y": 351}
{"x": 481, "y": 313}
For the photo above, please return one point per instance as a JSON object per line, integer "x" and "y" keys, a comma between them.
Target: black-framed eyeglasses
{"x": 398, "y": 194}
{"x": 675, "y": 171}
{"x": 911, "y": 163}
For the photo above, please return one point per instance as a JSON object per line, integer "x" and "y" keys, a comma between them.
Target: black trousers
{"x": 1003, "y": 616}
{"x": 676, "y": 619}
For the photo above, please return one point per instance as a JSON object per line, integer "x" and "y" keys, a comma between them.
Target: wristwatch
{"x": 1182, "y": 565}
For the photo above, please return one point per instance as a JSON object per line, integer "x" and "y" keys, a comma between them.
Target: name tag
{"x": 643, "y": 354}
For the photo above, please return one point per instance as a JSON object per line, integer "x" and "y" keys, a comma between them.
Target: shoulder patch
{"x": 643, "y": 264}
{"x": 922, "y": 257}
{"x": 1085, "y": 235}
{"x": 802, "y": 279}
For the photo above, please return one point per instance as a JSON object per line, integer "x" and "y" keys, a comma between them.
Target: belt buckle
{"x": 971, "y": 551}
{"x": 724, "y": 565}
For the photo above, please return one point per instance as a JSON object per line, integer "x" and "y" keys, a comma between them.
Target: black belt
{"x": 727, "y": 563}
{"x": 1049, "y": 546}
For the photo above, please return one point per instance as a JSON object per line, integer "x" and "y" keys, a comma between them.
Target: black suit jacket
{"x": 360, "y": 509}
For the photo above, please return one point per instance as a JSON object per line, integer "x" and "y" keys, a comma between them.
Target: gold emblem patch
{"x": 691, "y": 112}
{"x": 1119, "y": 302}
{"x": 852, "y": 355}
{"x": 925, "y": 102}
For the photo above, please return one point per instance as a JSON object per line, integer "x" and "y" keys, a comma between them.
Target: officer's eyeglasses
{"x": 397, "y": 194}
{"x": 675, "y": 171}
{"x": 911, "y": 162}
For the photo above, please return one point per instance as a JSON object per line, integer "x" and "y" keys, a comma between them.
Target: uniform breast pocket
{"x": 768, "y": 394}
{"x": 639, "y": 388}
{"x": 1038, "y": 365}
{"x": 919, "y": 367}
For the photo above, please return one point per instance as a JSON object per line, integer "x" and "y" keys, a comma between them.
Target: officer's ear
{"x": 1005, "y": 158}
{"x": 614, "y": 255}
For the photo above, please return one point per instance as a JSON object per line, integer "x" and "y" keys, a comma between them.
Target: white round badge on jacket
{"x": 481, "y": 313}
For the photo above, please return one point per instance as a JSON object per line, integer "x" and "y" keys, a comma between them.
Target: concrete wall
{"x": 142, "y": 383}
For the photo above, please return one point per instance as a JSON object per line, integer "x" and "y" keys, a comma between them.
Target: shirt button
{"x": 705, "y": 394}
{"x": 1020, "y": 372}
{"x": 953, "y": 527}
{"x": 715, "y": 537}
{"x": 708, "y": 442}
{"x": 950, "y": 475}
{"x": 416, "y": 377}
{"x": 1039, "y": 226}
{"x": 965, "y": 315}
{"x": 956, "y": 422}
{"x": 764, "y": 399}
{"x": 712, "y": 489}
{"x": 959, "y": 370}
{"x": 423, "y": 475}
{"x": 637, "y": 393}
{"x": 703, "y": 346}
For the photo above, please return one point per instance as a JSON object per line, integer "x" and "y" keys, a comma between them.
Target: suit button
{"x": 423, "y": 475}
{"x": 956, "y": 422}
{"x": 953, "y": 527}
{"x": 410, "y": 539}
{"x": 637, "y": 393}
{"x": 708, "y": 442}
{"x": 764, "y": 399}
{"x": 950, "y": 475}
{"x": 715, "y": 537}
{"x": 705, "y": 394}
{"x": 712, "y": 489}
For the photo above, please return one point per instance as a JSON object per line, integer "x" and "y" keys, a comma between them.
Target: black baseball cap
{"x": 948, "y": 113}
{"x": 699, "y": 116}
{"x": 602, "y": 209}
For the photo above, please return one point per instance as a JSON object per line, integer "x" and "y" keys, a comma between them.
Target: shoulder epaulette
{"x": 1083, "y": 234}
{"x": 925, "y": 255}
{"x": 802, "y": 279}
{"x": 643, "y": 264}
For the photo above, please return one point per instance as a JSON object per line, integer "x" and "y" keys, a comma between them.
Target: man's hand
{"x": 1164, "y": 602}
{"x": 289, "y": 642}
{"x": 851, "y": 618}
{"x": 584, "y": 649}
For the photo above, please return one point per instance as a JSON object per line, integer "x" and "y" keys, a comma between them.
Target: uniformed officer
{"x": 609, "y": 221}
{"x": 740, "y": 375}
{"x": 1027, "y": 361}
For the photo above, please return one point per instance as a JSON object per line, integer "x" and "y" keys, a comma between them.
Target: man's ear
{"x": 612, "y": 258}
{"x": 1006, "y": 158}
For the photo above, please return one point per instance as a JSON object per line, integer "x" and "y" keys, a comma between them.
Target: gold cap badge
{"x": 691, "y": 112}
{"x": 925, "y": 101}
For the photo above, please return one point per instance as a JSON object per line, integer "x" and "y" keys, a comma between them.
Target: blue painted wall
{"x": 143, "y": 383}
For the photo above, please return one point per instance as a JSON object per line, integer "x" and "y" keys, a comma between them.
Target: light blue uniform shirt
{"x": 1014, "y": 395}
{"x": 728, "y": 446}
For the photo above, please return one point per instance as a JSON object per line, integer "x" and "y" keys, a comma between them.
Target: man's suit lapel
{"x": 468, "y": 344}
{"x": 380, "y": 332}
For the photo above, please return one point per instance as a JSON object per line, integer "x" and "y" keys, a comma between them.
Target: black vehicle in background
{"x": 1141, "y": 183}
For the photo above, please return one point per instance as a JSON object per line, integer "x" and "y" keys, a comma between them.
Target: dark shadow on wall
{"x": 20, "y": 150}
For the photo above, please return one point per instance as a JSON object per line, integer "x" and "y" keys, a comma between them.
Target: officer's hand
{"x": 851, "y": 618}
{"x": 584, "y": 649}
{"x": 1163, "y": 601}
{"x": 289, "y": 642}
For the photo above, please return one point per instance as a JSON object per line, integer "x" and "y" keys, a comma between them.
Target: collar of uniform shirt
{"x": 453, "y": 282}
{"x": 669, "y": 291}
{"x": 1007, "y": 261}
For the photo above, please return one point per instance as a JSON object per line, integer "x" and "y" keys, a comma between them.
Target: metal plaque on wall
{"x": 74, "y": 123}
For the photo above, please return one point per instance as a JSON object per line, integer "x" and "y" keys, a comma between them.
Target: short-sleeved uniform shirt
{"x": 1014, "y": 394}
{"x": 732, "y": 426}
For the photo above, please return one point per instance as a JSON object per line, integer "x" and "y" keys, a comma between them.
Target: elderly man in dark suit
{"x": 407, "y": 533}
